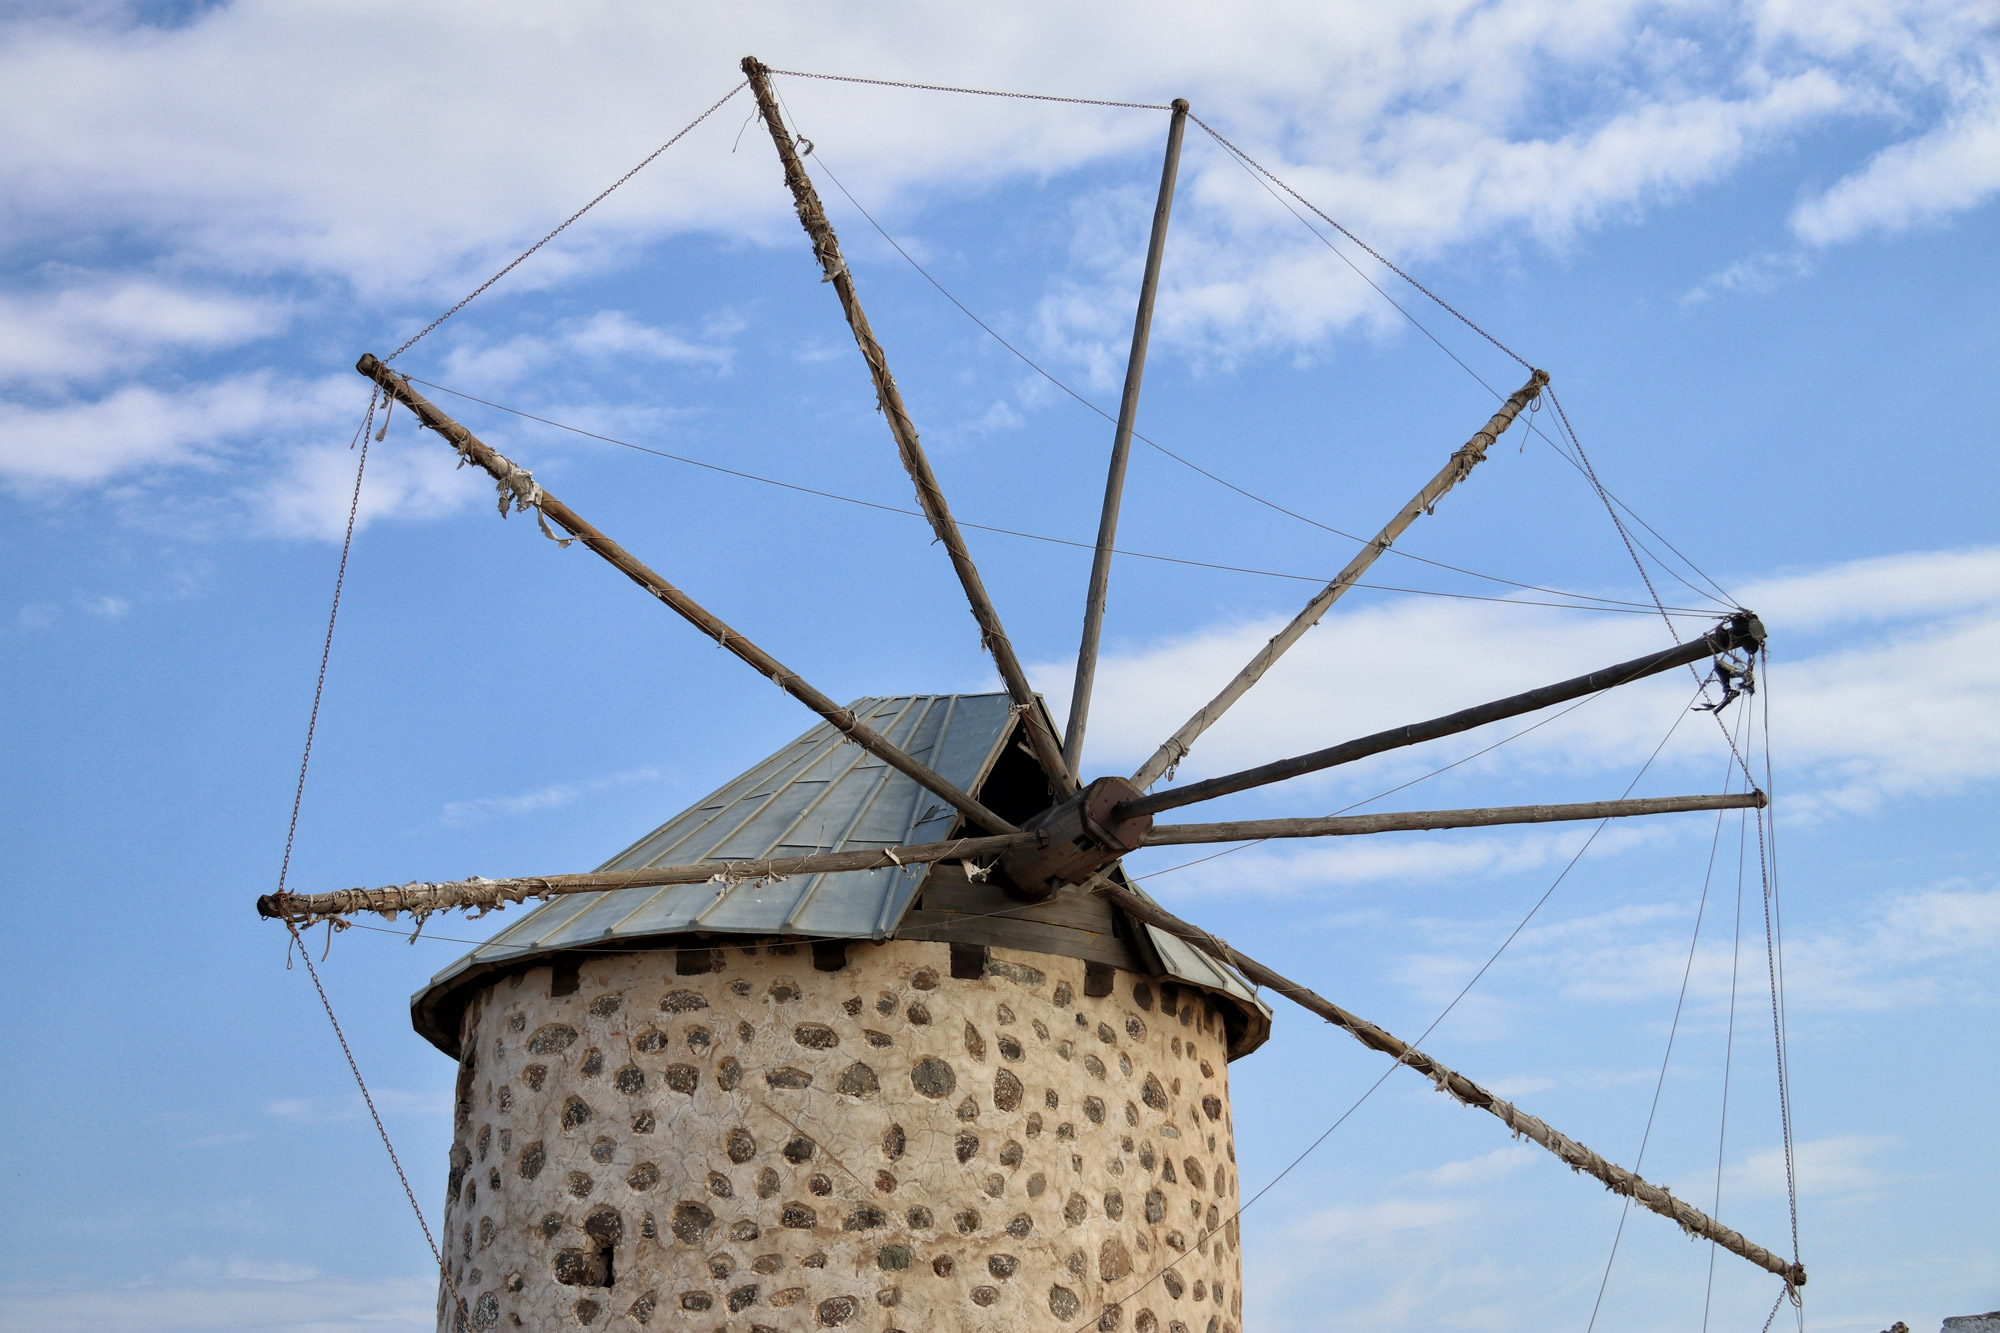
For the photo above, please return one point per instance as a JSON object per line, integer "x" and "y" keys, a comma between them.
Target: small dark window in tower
{"x": 1097, "y": 978}
{"x": 968, "y": 961}
{"x": 829, "y": 955}
{"x": 563, "y": 977}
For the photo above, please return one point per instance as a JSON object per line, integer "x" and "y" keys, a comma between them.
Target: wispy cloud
{"x": 552, "y": 797}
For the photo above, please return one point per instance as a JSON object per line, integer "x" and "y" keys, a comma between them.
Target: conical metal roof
{"x": 818, "y": 793}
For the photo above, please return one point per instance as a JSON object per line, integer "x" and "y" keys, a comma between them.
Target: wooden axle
{"x": 1463, "y": 1090}
{"x": 930, "y": 497}
{"x": 1036, "y": 860}
{"x": 519, "y": 487}
{"x": 1456, "y": 469}
{"x": 1742, "y": 630}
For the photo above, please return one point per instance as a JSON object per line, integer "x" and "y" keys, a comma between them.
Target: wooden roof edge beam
{"x": 519, "y": 487}
{"x": 1121, "y": 451}
{"x": 1463, "y": 1090}
{"x": 304, "y": 909}
{"x": 1455, "y": 470}
{"x": 1741, "y": 630}
{"x": 930, "y": 497}
{"x": 1337, "y": 826}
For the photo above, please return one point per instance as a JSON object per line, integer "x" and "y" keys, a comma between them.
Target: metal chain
{"x": 975, "y": 92}
{"x": 644, "y": 163}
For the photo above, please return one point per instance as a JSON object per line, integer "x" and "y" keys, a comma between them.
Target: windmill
{"x": 948, "y": 1067}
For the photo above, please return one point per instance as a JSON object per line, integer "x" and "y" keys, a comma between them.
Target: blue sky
{"x": 1753, "y": 244}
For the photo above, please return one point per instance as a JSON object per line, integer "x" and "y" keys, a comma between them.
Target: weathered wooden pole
{"x": 1341, "y": 826}
{"x": 519, "y": 488}
{"x": 1460, "y": 466}
{"x": 930, "y": 498}
{"x": 486, "y": 894}
{"x": 1121, "y": 450}
{"x": 1462, "y": 1089}
{"x": 1742, "y": 630}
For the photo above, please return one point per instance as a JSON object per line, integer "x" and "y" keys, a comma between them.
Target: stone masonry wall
{"x": 770, "y": 1147}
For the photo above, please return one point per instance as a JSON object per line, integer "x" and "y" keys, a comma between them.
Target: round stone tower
{"x": 977, "y": 1114}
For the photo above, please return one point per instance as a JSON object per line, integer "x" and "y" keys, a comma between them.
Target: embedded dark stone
{"x": 885, "y": 1181}
{"x": 1065, "y": 1131}
{"x": 586, "y": 1310}
{"x": 575, "y": 1113}
{"x": 1065, "y": 1049}
{"x": 580, "y": 1268}
{"x": 683, "y": 1078}
{"x": 683, "y": 1002}
{"x": 728, "y": 1073}
{"x": 697, "y": 1300}
{"x": 533, "y": 1157}
{"x": 784, "y": 990}
{"x": 699, "y": 1040}
{"x": 593, "y": 1063}
{"x": 1111, "y": 1319}
{"x": 744, "y": 1230}
{"x": 815, "y": 1036}
{"x": 893, "y": 1258}
{"x": 967, "y": 1146}
{"x": 740, "y": 987}
{"x": 650, "y": 1042}
{"x": 1211, "y": 1106}
{"x": 745, "y": 1033}
{"x": 1106, "y": 1035}
{"x": 605, "y": 1224}
{"x": 719, "y": 1186}
{"x": 984, "y": 1296}
{"x": 933, "y": 1078}
{"x": 837, "y": 1310}
{"x": 1093, "y": 1066}
{"x": 603, "y": 1151}
{"x": 888, "y": 1298}
{"x": 996, "y": 1185}
{"x": 1146, "y": 1157}
{"x": 924, "y": 978}
{"x": 552, "y": 1038}
{"x": 740, "y": 1145}
{"x": 851, "y": 1006}
{"x": 1003, "y": 1266}
{"x": 1156, "y": 1207}
{"x": 894, "y": 1141}
{"x": 1062, "y": 1302}
{"x": 885, "y": 1003}
{"x": 1010, "y": 1153}
{"x": 742, "y": 1298}
{"x": 1034, "y": 1124}
{"x": 1142, "y": 995}
{"x": 1075, "y": 1210}
{"x": 506, "y": 1105}
{"x": 819, "y": 1183}
{"x": 768, "y": 1264}
{"x": 1062, "y": 995}
{"x": 517, "y": 1022}
{"x": 1134, "y": 1028}
{"x": 692, "y": 1222}
{"x": 1146, "y": 1322}
{"x": 1114, "y": 1261}
{"x": 798, "y": 1216}
{"x": 631, "y": 1080}
{"x": 1194, "y": 1173}
{"x": 943, "y": 1265}
{"x": 1010, "y": 1049}
{"x": 975, "y": 1045}
{"x": 580, "y": 1185}
{"x": 857, "y": 1080}
{"x": 967, "y": 1221}
{"x": 918, "y": 1013}
{"x": 767, "y": 1183}
{"x": 642, "y": 1123}
{"x": 919, "y": 1218}
{"x": 879, "y": 1040}
{"x": 800, "y": 1149}
{"x": 1172, "y": 1282}
{"x": 1214, "y": 1219}
{"x": 968, "y": 1109}
{"x": 533, "y": 1075}
{"x": 1020, "y": 1225}
{"x": 552, "y": 1223}
{"x": 485, "y": 1141}
{"x": 1093, "y": 1110}
{"x": 1007, "y": 1091}
{"x": 1014, "y": 972}
{"x": 865, "y": 1217}
{"x": 788, "y": 1077}
{"x": 1114, "y": 1205}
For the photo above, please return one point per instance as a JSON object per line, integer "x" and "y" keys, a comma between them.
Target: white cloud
{"x": 309, "y": 495}
{"x": 475, "y": 363}
{"x": 552, "y": 797}
{"x": 1825, "y": 1168}
{"x": 1484, "y": 1169}
{"x": 96, "y": 326}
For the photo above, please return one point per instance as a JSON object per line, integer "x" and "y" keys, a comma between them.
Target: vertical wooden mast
{"x": 1121, "y": 450}
{"x": 826, "y": 247}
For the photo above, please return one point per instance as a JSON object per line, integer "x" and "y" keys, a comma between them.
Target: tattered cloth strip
{"x": 485, "y": 895}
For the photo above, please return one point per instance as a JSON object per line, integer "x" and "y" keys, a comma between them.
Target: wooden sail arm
{"x": 1121, "y": 451}
{"x": 1463, "y": 1090}
{"x": 519, "y": 487}
{"x": 1742, "y": 630}
{"x": 1456, "y": 469}
{"x": 930, "y": 497}
{"x": 489, "y": 894}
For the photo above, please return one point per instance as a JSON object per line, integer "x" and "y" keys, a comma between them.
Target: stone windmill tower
{"x": 879, "y": 1098}
{"x": 879, "y": 1034}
